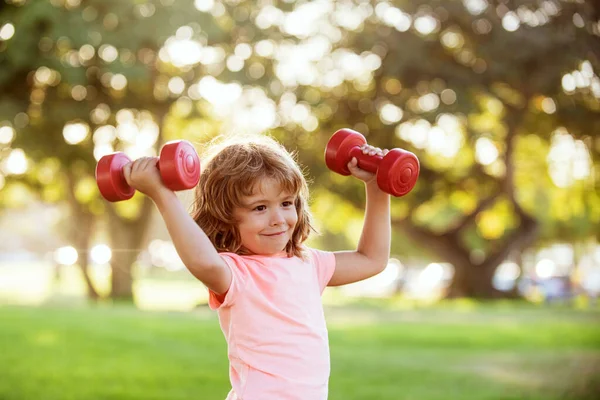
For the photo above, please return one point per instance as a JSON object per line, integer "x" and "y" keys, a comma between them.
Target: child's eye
{"x": 260, "y": 208}
{"x": 288, "y": 203}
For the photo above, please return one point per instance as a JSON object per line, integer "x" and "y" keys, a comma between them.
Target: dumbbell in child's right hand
{"x": 177, "y": 169}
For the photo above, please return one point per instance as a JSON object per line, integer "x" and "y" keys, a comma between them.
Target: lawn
{"x": 443, "y": 352}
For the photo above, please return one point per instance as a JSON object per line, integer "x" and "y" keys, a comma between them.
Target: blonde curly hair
{"x": 231, "y": 170}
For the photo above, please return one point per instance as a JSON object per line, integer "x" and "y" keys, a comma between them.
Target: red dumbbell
{"x": 178, "y": 164}
{"x": 397, "y": 171}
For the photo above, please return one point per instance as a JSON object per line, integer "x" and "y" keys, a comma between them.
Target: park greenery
{"x": 499, "y": 100}
{"x": 456, "y": 351}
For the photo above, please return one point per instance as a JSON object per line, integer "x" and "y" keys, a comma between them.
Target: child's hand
{"x": 359, "y": 173}
{"x": 143, "y": 175}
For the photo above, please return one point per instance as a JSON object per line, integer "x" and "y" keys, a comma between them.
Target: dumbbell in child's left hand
{"x": 396, "y": 171}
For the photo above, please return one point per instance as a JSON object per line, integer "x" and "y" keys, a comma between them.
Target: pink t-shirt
{"x": 272, "y": 318}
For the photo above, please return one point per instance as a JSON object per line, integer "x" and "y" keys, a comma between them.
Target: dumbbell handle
{"x": 365, "y": 161}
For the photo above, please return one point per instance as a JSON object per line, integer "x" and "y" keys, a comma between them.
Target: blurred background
{"x": 492, "y": 289}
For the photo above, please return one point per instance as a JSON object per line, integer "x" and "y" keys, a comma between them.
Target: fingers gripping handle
{"x": 365, "y": 161}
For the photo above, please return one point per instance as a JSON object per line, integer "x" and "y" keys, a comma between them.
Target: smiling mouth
{"x": 277, "y": 234}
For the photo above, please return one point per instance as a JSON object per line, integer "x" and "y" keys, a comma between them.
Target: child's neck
{"x": 244, "y": 252}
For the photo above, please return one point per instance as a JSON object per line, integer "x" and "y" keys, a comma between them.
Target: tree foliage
{"x": 499, "y": 101}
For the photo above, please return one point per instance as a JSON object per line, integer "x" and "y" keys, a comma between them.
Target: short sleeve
{"x": 239, "y": 278}
{"x": 324, "y": 262}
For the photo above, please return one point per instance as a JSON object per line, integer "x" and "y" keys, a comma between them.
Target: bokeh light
{"x": 7, "y": 134}
{"x": 7, "y": 31}
{"x": 76, "y": 132}
{"x": 100, "y": 254}
{"x": 16, "y": 163}
{"x": 66, "y": 255}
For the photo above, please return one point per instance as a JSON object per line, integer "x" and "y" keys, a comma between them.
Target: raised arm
{"x": 193, "y": 246}
{"x": 373, "y": 251}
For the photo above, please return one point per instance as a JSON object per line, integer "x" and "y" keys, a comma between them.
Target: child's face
{"x": 267, "y": 221}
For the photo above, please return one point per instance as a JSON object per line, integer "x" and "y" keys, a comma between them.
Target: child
{"x": 245, "y": 243}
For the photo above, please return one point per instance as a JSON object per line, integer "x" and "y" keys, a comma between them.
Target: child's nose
{"x": 277, "y": 218}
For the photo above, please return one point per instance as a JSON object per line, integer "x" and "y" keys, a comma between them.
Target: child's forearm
{"x": 193, "y": 246}
{"x": 375, "y": 239}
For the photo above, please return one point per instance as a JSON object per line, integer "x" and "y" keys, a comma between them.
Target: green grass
{"x": 450, "y": 352}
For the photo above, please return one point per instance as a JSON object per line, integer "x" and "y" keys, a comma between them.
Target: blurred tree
{"x": 500, "y": 103}
{"x": 81, "y": 79}
{"x": 479, "y": 92}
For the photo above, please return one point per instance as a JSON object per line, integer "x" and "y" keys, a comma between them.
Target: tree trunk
{"x": 471, "y": 279}
{"x": 80, "y": 234}
{"x": 82, "y": 242}
{"x": 127, "y": 236}
{"x": 474, "y": 281}
{"x": 126, "y": 239}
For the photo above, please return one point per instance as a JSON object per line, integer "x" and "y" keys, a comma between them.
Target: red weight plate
{"x": 110, "y": 179}
{"x": 179, "y": 165}
{"x": 398, "y": 172}
{"x": 337, "y": 152}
